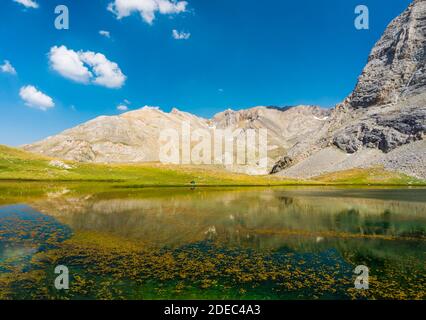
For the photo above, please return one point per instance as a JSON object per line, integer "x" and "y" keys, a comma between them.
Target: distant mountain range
{"x": 382, "y": 123}
{"x": 134, "y": 136}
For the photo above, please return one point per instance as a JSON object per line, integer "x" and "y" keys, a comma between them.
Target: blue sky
{"x": 240, "y": 53}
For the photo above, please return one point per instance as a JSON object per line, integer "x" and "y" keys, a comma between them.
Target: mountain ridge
{"x": 385, "y": 112}
{"x": 134, "y": 136}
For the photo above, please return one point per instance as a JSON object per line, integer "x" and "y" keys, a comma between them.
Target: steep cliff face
{"x": 395, "y": 74}
{"x": 396, "y": 66}
{"x": 384, "y": 128}
{"x": 385, "y": 112}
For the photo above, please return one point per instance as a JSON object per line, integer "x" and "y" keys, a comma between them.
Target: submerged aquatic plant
{"x": 107, "y": 267}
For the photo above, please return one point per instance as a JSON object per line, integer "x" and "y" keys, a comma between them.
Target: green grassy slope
{"x": 20, "y": 165}
{"x": 371, "y": 176}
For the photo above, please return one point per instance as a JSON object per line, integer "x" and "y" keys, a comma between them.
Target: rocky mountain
{"x": 394, "y": 74}
{"x": 382, "y": 123}
{"x": 386, "y": 111}
{"x": 130, "y": 137}
{"x": 286, "y": 126}
{"x": 396, "y": 66}
{"x": 134, "y": 136}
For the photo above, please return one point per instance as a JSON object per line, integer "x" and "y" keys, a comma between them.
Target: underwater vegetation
{"x": 214, "y": 244}
{"x": 106, "y": 267}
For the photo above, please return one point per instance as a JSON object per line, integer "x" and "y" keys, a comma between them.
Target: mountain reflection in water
{"x": 249, "y": 242}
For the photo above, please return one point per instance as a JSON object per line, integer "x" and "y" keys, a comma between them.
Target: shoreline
{"x": 226, "y": 185}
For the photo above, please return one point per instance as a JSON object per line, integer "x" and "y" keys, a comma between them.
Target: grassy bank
{"x": 19, "y": 165}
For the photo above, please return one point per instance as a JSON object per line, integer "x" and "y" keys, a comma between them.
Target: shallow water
{"x": 266, "y": 243}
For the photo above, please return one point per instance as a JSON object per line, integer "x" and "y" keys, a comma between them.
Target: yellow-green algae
{"x": 104, "y": 266}
{"x": 305, "y": 243}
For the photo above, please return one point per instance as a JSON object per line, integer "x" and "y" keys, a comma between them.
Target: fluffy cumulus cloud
{"x": 86, "y": 67}
{"x": 7, "y": 67}
{"x": 104, "y": 33}
{"x": 180, "y": 35}
{"x": 28, "y": 3}
{"x": 146, "y": 8}
{"x": 106, "y": 73}
{"x": 68, "y": 64}
{"x": 35, "y": 98}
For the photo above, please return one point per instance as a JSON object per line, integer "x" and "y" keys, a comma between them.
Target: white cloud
{"x": 27, "y": 3}
{"x": 86, "y": 67}
{"x": 180, "y": 35}
{"x": 107, "y": 73}
{"x": 68, "y": 64}
{"x": 122, "y": 107}
{"x": 35, "y": 98}
{"x": 146, "y": 8}
{"x": 7, "y": 67}
{"x": 104, "y": 33}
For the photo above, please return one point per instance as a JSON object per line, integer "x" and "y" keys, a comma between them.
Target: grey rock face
{"x": 396, "y": 66}
{"x": 387, "y": 109}
{"x": 384, "y": 131}
{"x": 395, "y": 73}
{"x": 282, "y": 164}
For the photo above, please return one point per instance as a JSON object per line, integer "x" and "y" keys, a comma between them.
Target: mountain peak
{"x": 396, "y": 65}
